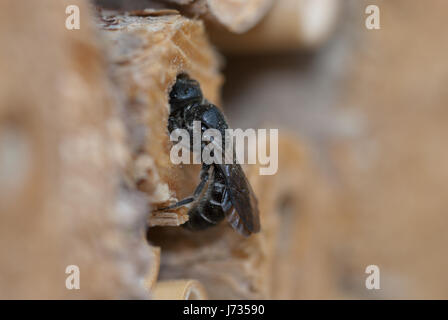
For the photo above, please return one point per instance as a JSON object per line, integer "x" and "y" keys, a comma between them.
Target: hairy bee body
{"x": 223, "y": 192}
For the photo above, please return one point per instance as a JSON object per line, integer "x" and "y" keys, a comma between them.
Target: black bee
{"x": 223, "y": 191}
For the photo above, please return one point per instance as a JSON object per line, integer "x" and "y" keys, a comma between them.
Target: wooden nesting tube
{"x": 236, "y": 16}
{"x": 147, "y": 52}
{"x": 153, "y": 272}
{"x": 179, "y": 290}
{"x": 290, "y": 25}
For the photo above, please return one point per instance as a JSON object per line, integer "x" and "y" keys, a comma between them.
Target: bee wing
{"x": 244, "y": 215}
{"x": 235, "y": 221}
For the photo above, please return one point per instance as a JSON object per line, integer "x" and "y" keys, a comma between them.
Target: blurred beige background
{"x": 372, "y": 106}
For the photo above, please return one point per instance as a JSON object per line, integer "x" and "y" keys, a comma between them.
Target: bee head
{"x": 185, "y": 92}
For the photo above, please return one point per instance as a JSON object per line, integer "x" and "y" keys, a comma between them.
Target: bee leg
{"x": 173, "y": 123}
{"x": 204, "y": 175}
{"x": 197, "y": 192}
{"x": 226, "y": 203}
